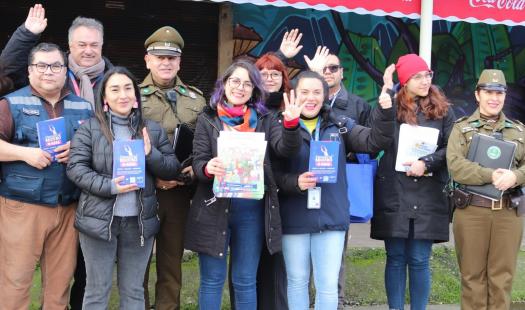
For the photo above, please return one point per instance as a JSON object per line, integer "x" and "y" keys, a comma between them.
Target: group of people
{"x": 71, "y": 215}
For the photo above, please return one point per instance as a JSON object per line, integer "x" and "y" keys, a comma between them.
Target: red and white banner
{"x": 508, "y": 12}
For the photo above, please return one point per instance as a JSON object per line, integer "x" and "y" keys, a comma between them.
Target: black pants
{"x": 77, "y": 290}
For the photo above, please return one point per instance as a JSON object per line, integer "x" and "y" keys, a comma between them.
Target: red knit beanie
{"x": 408, "y": 65}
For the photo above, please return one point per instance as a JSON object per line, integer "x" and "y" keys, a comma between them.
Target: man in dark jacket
{"x": 86, "y": 66}
{"x": 37, "y": 200}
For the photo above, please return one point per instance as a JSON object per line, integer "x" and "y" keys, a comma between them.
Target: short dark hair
{"x": 47, "y": 48}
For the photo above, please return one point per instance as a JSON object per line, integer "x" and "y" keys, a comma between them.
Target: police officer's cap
{"x": 166, "y": 41}
{"x": 492, "y": 79}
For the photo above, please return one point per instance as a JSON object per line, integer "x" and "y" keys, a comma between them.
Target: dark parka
{"x": 334, "y": 212}
{"x": 398, "y": 198}
{"x": 206, "y": 229}
{"x": 90, "y": 167}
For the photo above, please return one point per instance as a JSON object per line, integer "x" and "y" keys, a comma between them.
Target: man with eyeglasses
{"x": 86, "y": 65}
{"x": 167, "y": 100}
{"x": 37, "y": 200}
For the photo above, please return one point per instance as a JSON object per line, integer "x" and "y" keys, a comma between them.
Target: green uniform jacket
{"x": 156, "y": 107}
{"x": 467, "y": 172}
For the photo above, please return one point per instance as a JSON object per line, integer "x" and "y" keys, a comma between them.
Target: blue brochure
{"x": 51, "y": 134}
{"x": 129, "y": 161}
{"x": 324, "y": 157}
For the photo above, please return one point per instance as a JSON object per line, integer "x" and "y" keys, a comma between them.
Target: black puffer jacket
{"x": 208, "y": 217}
{"x": 400, "y": 199}
{"x": 90, "y": 167}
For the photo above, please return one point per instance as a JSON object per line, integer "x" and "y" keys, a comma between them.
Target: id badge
{"x": 314, "y": 198}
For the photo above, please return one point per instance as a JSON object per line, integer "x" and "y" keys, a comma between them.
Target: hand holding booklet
{"x": 243, "y": 156}
{"x": 414, "y": 143}
{"x": 129, "y": 161}
{"x": 51, "y": 134}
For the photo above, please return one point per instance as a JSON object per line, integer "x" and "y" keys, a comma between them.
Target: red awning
{"x": 508, "y": 12}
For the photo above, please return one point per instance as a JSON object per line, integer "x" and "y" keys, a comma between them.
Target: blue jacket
{"x": 23, "y": 182}
{"x": 333, "y": 214}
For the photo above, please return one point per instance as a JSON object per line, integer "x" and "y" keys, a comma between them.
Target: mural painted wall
{"x": 366, "y": 44}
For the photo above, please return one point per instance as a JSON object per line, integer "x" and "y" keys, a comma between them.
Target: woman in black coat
{"x": 117, "y": 221}
{"x": 237, "y": 104}
{"x": 410, "y": 207}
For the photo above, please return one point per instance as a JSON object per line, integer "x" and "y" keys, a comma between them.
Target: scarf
{"x": 237, "y": 117}
{"x": 85, "y": 74}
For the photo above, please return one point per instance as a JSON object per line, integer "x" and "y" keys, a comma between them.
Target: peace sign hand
{"x": 36, "y": 20}
{"x": 292, "y": 107}
{"x": 388, "y": 77}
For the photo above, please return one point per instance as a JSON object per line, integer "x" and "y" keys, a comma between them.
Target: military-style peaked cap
{"x": 165, "y": 41}
{"x": 492, "y": 79}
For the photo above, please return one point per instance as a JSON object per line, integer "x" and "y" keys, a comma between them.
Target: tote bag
{"x": 360, "y": 179}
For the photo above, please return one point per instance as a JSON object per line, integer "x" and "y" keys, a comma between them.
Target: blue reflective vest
{"x": 22, "y": 182}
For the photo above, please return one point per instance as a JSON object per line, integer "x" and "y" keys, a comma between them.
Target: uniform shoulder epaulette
{"x": 461, "y": 119}
{"x": 195, "y": 89}
{"x": 146, "y": 90}
{"x": 517, "y": 123}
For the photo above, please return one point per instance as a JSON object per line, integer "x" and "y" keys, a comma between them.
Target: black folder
{"x": 183, "y": 142}
{"x": 490, "y": 152}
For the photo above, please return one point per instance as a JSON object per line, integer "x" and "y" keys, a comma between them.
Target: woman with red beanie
{"x": 410, "y": 207}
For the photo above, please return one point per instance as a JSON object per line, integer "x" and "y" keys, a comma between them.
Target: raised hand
{"x": 292, "y": 108}
{"x": 318, "y": 63}
{"x": 290, "y": 44}
{"x": 388, "y": 77}
{"x": 36, "y": 20}
{"x": 147, "y": 142}
{"x": 385, "y": 101}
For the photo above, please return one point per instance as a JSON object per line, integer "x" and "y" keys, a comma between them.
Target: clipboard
{"x": 493, "y": 153}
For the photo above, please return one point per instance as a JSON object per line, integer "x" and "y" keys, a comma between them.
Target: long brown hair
{"x": 136, "y": 120}
{"x": 434, "y": 105}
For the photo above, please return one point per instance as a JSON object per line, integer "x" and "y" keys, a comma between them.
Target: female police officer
{"x": 487, "y": 238}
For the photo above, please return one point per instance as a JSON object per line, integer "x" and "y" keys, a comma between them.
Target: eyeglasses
{"x": 235, "y": 83}
{"x": 272, "y": 76}
{"x": 42, "y": 67}
{"x": 332, "y": 68}
{"x": 426, "y": 76}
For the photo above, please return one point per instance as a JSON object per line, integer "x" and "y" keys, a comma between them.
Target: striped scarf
{"x": 239, "y": 118}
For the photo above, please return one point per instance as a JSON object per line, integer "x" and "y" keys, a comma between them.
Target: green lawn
{"x": 364, "y": 279}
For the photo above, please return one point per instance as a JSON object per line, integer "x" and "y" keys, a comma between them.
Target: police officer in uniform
{"x": 487, "y": 234}
{"x": 169, "y": 101}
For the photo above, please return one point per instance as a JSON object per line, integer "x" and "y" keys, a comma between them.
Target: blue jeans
{"x": 325, "y": 250}
{"x": 245, "y": 237}
{"x": 132, "y": 259}
{"x": 401, "y": 252}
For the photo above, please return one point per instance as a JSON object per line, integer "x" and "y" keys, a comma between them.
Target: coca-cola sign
{"x": 517, "y": 5}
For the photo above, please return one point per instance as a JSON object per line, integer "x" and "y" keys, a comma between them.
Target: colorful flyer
{"x": 129, "y": 161}
{"x": 51, "y": 134}
{"x": 243, "y": 155}
{"x": 324, "y": 156}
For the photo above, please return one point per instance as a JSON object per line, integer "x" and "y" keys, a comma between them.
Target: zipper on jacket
{"x": 141, "y": 224}
{"x": 112, "y": 216}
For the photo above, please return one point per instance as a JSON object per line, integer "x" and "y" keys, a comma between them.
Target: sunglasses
{"x": 332, "y": 68}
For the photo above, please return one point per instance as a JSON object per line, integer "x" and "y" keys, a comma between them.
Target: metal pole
{"x": 425, "y": 30}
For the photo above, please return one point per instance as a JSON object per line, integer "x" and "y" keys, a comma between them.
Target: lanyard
{"x": 317, "y": 128}
{"x": 76, "y": 88}
{"x": 334, "y": 97}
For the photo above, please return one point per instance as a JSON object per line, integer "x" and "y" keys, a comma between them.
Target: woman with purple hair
{"x": 237, "y": 104}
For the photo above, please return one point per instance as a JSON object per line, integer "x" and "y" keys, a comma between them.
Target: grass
{"x": 364, "y": 279}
